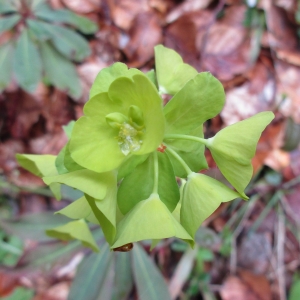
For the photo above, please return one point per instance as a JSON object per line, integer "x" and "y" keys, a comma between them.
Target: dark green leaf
{"x": 67, "y": 41}
{"x": 138, "y": 185}
{"x": 7, "y": 6}
{"x": 27, "y": 63}
{"x": 32, "y": 226}
{"x": 7, "y": 23}
{"x": 67, "y": 17}
{"x": 6, "y": 57}
{"x": 20, "y": 294}
{"x": 38, "y": 29}
{"x": 150, "y": 284}
{"x": 60, "y": 72}
{"x": 123, "y": 277}
{"x": 292, "y": 135}
{"x": 91, "y": 275}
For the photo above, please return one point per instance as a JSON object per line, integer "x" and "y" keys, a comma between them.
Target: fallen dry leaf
{"x": 144, "y": 34}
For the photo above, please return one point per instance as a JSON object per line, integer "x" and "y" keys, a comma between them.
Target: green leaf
{"x": 74, "y": 230}
{"x": 295, "y": 290}
{"x": 39, "y": 165}
{"x": 202, "y": 195}
{"x": 107, "y": 75}
{"x": 138, "y": 185}
{"x": 20, "y": 293}
{"x": 201, "y": 98}
{"x": 32, "y": 226}
{"x": 69, "y": 128}
{"x": 234, "y": 147}
{"x": 130, "y": 164}
{"x": 150, "y": 283}
{"x": 38, "y": 29}
{"x": 79, "y": 209}
{"x": 65, "y": 16}
{"x": 69, "y": 163}
{"x": 60, "y": 72}
{"x": 91, "y": 275}
{"x": 172, "y": 73}
{"x": 27, "y": 63}
{"x": 99, "y": 150}
{"x": 6, "y": 63}
{"x": 152, "y": 76}
{"x": 149, "y": 219}
{"x": 89, "y": 182}
{"x": 59, "y": 162}
{"x": 191, "y": 152}
{"x": 123, "y": 277}
{"x": 6, "y": 6}
{"x": 7, "y": 23}
{"x": 106, "y": 210}
{"x": 66, "y": 41}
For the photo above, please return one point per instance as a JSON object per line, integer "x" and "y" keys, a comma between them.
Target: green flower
{"x": 125, "y": 120}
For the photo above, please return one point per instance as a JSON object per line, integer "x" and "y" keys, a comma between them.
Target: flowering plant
{"x": 128, "y": 153}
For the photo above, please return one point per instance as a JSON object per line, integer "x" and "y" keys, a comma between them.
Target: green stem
{"x": 180, "y": 160}
{"x": 156, "y": 173}
{"x": 186, "y": 137}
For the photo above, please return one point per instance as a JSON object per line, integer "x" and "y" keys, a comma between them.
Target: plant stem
{"x": 180, "y": 160}
{"x": 186, "y": 137}
{"x": 156, "y": 173}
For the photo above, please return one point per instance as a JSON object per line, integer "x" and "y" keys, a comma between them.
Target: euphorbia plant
{"x": 128, "y": 152}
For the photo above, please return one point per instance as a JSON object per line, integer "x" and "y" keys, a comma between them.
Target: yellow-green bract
{"x": 128, "y": 153}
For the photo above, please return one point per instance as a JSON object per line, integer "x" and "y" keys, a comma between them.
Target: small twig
{"x": 280, "y": 254}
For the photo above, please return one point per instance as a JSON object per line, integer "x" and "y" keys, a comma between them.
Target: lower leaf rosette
{"x": 149, "y": 219}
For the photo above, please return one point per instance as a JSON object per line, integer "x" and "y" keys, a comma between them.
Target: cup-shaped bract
{"x": 74, "y": 230}
{"x": 98, "y": 146}
{"x": 202, "y": 195}
{"x": 149, "y": 219}
{"x": 233, "y": 148}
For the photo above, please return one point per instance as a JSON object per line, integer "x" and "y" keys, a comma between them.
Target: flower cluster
{"x": 128, "y": 153}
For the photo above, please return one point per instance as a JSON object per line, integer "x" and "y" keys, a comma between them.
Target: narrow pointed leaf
{"x": 172, "y": 73}
{"x": 65, "y": 16}
{"x": 74, "y": 230}
{"x": 149, "y": 219}
{"x": 7, "y": 23}
{"x": 233, "y": 148}
{"x": 123, "y": 277}
{"x": 150, "y": 283}
{"x": 202, "y": 195}
{"x": 59, "y": 71}
{"x": 91, "y": 275}
{"x": 6, "y": 63}
{"x": 27, "y": 63}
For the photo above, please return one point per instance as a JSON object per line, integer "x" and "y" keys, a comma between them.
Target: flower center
{"x": 129, "y": 139}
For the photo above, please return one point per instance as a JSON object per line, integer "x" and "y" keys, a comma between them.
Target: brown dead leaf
{"x": 282, "y": 33}
{"x": 83, "y": 6}
{"x": 8, "y": 283}
{"x": 254, "y": 252}
{"x": 123, "y": 12}
{"x": 144, "y": 34}
{"x": 58, "y": 291}
{"x": 234, "y": 289}
{"x": 181, "y": 36}
{"x": 291, "y": 57}
{"x": 8, "y": 151}
{"x": 186, "y": 7}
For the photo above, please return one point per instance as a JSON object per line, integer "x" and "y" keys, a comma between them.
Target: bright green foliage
{"x": 234, "y": 146}
{"x": 172, "y": 74}
{"x": 149, "y": 219}
{"x": 125, "y": 153}
{"x": 74, "y": 230}
{"x": 114, "y": 144}
{"x": 45, "y": 36}
{"x": 202, "y": 195}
